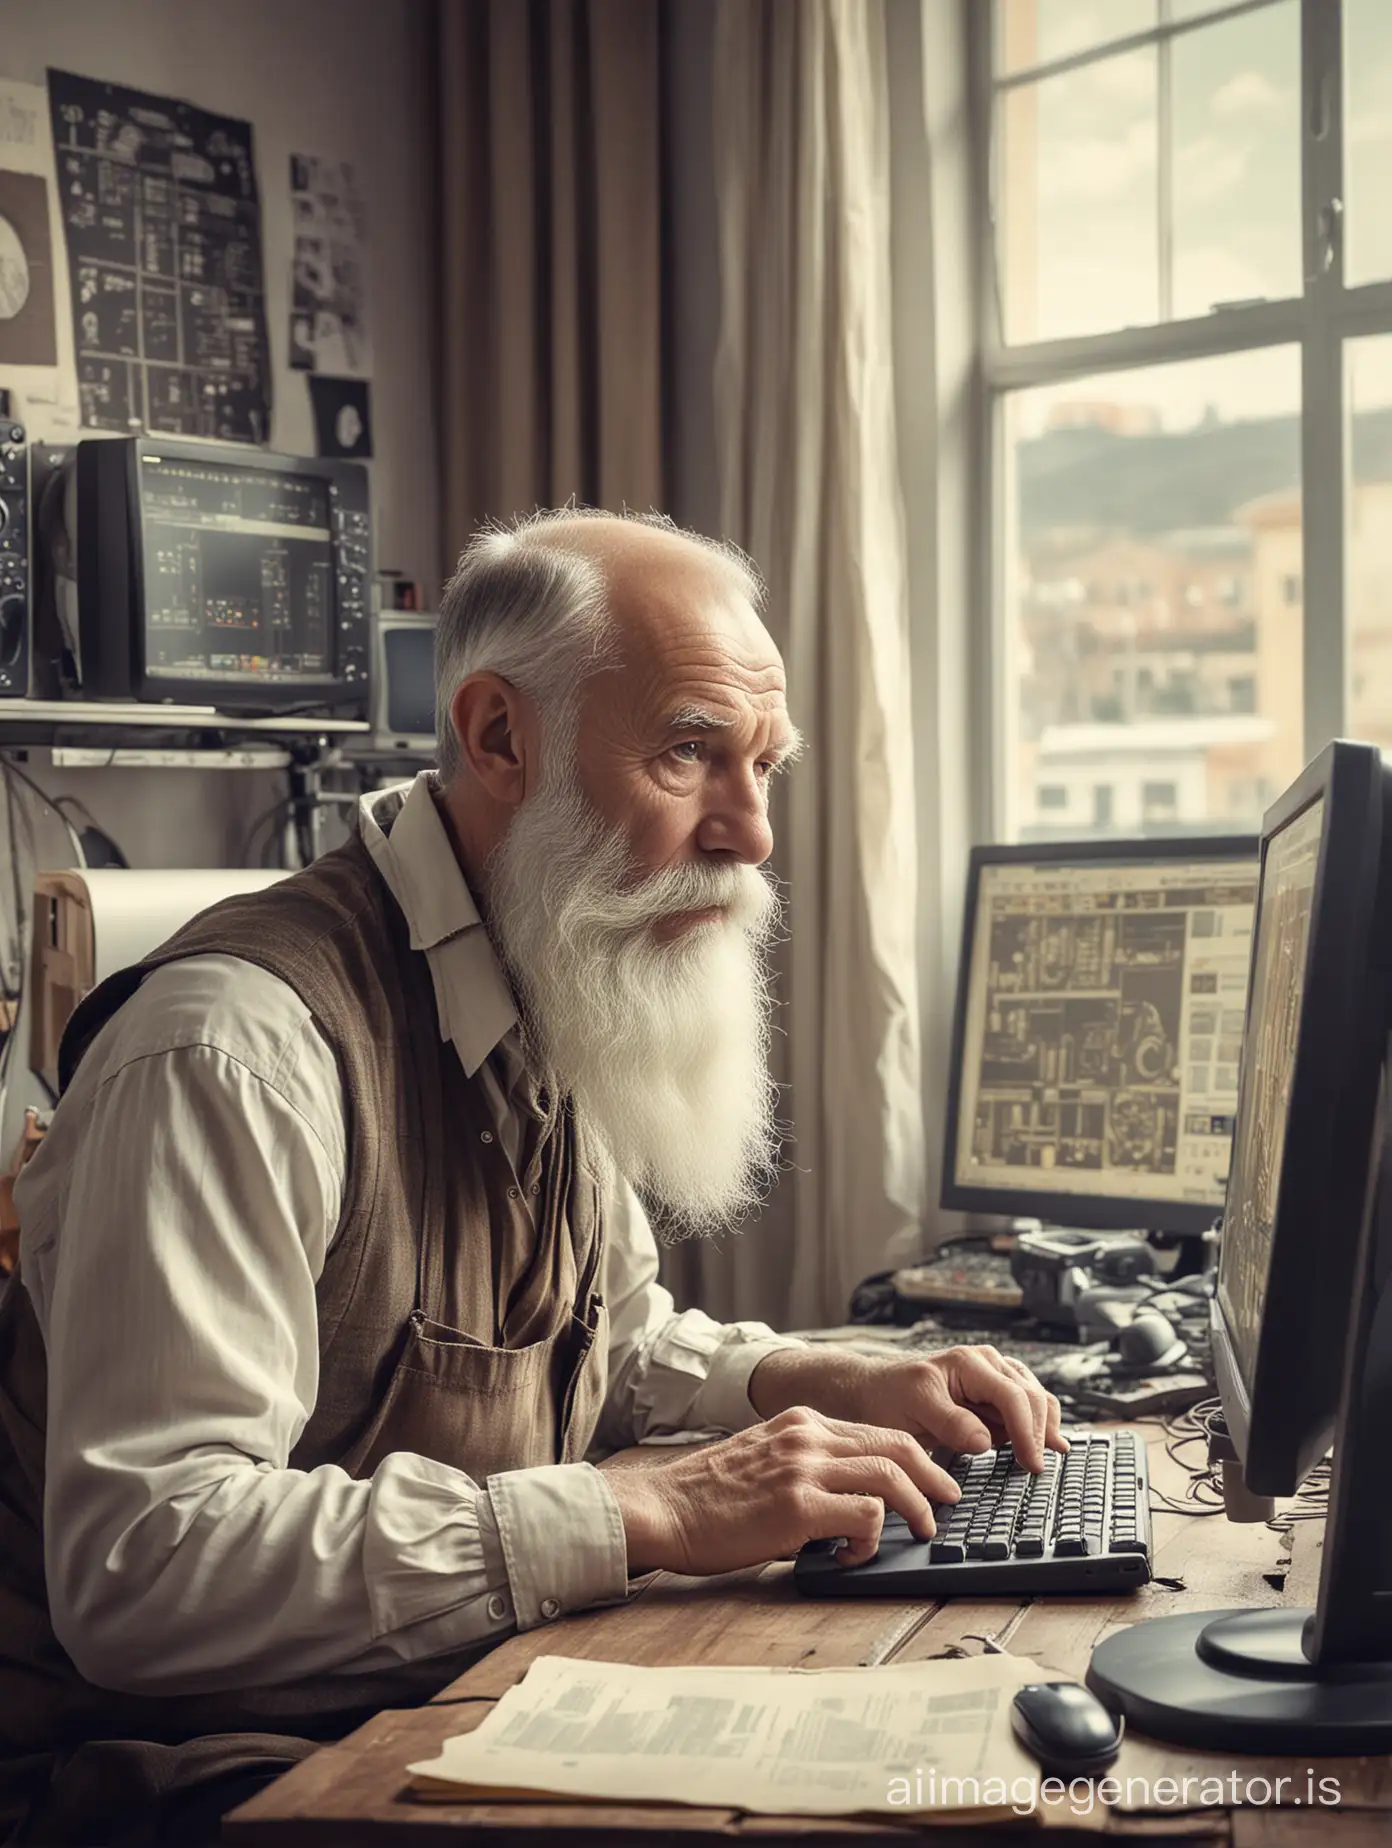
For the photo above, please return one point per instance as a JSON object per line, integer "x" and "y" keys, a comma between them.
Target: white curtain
{"x": 808, "y": 467}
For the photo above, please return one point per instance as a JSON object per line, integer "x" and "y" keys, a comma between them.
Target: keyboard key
{"x": 1075, "y": 1546}
{"x": 996, "y": 1548}
{"x": 1029, "y": 1546}
{"x": 1128, "y": 1544}
{"x": 947, "y": 1552}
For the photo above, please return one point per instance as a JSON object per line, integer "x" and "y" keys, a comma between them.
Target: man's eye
{"x": 688, "y": 744}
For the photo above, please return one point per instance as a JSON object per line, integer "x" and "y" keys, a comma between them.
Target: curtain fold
{"x": 807, "y": 459}
{"x": 550, "y": 268}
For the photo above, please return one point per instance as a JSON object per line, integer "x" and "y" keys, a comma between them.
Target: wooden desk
{"x": 354, "y": 1792}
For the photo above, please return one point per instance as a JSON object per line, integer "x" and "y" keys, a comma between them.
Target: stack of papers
{"x": 894, "y": 1742}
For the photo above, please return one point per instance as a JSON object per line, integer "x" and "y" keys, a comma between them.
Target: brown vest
{"x": 459, "y": 1309}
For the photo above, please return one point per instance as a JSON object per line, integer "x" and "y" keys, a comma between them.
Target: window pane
{"x": 1154, "y": 597}
{"x": 1236, "y": 115}
{"x": 1367, "y": 140}
{"x": 1078, "y": 208}
{"x": 1191, "y": 9}
{"x": 1030, "y": 32}
{"x": 1370, "y": 540}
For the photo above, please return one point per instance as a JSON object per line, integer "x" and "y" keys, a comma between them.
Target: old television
{"x": 206, "y": 574}
{"x": 403, "y": 684}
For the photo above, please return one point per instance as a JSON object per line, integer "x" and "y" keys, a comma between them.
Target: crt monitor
{"x": 1302, "y": 1319}
{"x": 208, "y": 574}
{"x": 1098, "y": 1028}
{"x": 403, "y": 683}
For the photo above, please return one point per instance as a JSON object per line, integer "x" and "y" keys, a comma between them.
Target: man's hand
{"x": 762, "y": 1494}
{"x": 966, "y": 1398}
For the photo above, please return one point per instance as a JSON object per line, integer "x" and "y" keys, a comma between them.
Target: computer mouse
{"x": 1065, "y": 1727}
{"x": 1148, "y": 1340}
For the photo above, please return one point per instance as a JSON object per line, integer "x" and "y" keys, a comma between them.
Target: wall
{"x": 343, "y": 78}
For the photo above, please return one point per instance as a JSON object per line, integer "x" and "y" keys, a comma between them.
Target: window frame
{"x": 1319, "y": 322}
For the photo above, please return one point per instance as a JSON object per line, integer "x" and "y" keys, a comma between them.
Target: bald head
{"x": 554, "y": 598}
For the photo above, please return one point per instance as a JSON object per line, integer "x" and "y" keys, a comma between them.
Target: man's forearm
{"x": 822, "y": 1377}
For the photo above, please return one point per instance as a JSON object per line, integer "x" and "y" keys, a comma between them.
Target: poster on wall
{"x": 28, "y": 334}
{"x": 162, "y": 221}
{"x": 36, "y": 361}
{"x": 342, "y": 417}
{"x": 328, "y": 305}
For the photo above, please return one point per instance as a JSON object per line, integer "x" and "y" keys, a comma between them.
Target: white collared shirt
{"x": 175, "y": 1222}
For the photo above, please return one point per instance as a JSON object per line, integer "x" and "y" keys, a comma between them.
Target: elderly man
{"x": 333, "y": 1271}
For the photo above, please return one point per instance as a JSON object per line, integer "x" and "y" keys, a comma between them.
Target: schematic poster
{"x": 328, "y": 308}
{"x": 162, "y": 221}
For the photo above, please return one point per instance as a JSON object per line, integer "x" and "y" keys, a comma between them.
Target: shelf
{"x": 161, "y": 757}
{"x": 41, "y": 721}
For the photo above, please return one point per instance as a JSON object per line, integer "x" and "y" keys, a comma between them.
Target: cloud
{"x": 1097, "y": 168}
{"x": 1248, "y": 93}
{"x": 1210, "y": 166}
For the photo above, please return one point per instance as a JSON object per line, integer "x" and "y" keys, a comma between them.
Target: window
{"x": 1189, "y": 456}
{"x": 1053, "y": 796}
{"x": 1159, "y": 801}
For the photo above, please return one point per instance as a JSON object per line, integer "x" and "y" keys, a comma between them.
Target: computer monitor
{"x": 1302, "y": 1319}
{"x": 208, "y": 574}
{"x": 1098, "y": 1028}
{"x": 403, "y": 684}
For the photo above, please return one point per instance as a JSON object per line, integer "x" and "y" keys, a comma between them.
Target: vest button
{"x": 497, "y": 1607}
{"x": 485, "y": 1135}
{"x": 550, "y": 1608}
{"x": 513, "y": 1194}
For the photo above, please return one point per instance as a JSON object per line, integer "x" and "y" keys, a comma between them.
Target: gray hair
{"x": 527, "y": 606}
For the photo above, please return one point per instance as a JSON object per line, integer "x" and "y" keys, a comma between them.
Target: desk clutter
{"x": 1105, "y": 1320}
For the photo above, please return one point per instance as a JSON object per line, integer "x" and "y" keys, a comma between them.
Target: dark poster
{"x": 163, "y": 224}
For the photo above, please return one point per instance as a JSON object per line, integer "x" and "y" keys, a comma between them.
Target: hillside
{"x": 1153, "y": 484}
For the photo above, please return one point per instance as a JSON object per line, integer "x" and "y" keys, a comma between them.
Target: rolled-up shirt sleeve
{"x": 670, "y": 1374}
{"x": 172, "y": 1246}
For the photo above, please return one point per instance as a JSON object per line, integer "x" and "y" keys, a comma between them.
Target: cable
{"x": 13, "y": 769}
{"x": 1203, "y": 1493}
{"x": 266, "y": 815}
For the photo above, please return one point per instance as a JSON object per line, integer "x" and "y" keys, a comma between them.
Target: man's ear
{"x": 496, "y": 728}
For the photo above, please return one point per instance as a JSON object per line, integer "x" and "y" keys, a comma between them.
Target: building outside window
{"x": 1188, "y": 353}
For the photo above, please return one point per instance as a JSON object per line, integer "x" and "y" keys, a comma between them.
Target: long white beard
{"x": 662, "y": 1044}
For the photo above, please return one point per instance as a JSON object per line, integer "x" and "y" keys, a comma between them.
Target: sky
{"x": 1090, "y": 184}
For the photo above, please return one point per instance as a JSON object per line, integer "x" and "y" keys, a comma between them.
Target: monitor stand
{"x": 1286, "y": 1680}
{"x": 1241, "y": 1681}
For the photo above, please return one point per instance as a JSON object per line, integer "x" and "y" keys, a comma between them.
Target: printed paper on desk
{"x": 771, "y": 1741}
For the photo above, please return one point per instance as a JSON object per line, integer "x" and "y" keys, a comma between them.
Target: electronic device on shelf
{"x": 1302, "y": 1316}
{"x": 1097, "y": 1033}
{"x": 211, "y": 574}
{"x": 16, "y": 566}
{"x": 1082, "y": 1524}
{"x": 403, "y": 684}
{"x": 1056, "y": 1269}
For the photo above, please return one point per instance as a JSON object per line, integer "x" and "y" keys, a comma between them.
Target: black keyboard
{"x": 1083, "y": 1524}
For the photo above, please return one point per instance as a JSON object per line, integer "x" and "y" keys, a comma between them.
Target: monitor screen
{"x": 1278, "y": 988}
{"x": 409, "y": 657}
{"x": 1102, "y": 1028}
{"x": 238, "y": 573}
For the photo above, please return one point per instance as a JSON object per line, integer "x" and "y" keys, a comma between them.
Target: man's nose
{"x": 738, "y": 825}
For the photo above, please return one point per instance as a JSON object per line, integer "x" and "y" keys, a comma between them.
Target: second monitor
{"x": 1098, "y": 1031}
